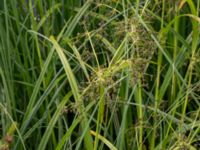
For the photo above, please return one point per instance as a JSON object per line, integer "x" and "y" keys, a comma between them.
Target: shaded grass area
{"x": 98, "y": 74}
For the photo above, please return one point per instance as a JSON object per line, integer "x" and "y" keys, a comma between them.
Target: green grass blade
{"x": 53, "y": 121}
{"x": 75, "y": 90}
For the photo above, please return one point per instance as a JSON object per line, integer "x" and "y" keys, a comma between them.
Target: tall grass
{"x": 98, "y": 74}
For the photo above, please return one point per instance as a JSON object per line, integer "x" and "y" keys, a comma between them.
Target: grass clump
{"x": 98, "y": 74}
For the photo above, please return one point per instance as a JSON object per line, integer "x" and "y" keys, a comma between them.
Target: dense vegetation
{"x": 99, "y": 74}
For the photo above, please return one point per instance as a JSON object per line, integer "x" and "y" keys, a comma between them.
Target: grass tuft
{"x": 99, "y": 74}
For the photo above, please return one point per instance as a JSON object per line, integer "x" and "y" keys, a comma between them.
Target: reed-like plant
{"x": 99, "y": 74}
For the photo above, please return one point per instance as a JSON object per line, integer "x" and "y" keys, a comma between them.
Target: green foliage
{"x": 99, "y": 74}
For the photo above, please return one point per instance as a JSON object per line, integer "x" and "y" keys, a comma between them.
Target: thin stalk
{"x": 100, "y": 114}
{"x": 34, "y": 27}
{"x": 195, "y": 37}
{"x": 175, "y": 48}
{"x": 157, "y": 99}
{"x": 174, "y": 78}
{"x": 140, "y": 112}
